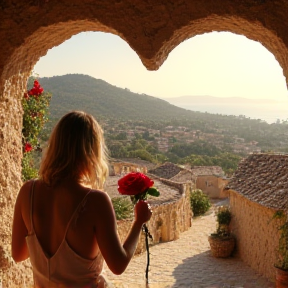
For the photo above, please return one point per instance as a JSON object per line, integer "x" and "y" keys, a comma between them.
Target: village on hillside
{"x": 165, "y": 139}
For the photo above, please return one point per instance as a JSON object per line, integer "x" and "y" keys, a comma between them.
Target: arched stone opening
{"x": 252, "y": 30}
{"x": 14, "y": 79}
{"x": 153, "y": 31}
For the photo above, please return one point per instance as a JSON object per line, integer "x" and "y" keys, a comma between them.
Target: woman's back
{"x": 61, "y": 240}
{"x": 53, "y": 209}
{"x": 63, "y": 225}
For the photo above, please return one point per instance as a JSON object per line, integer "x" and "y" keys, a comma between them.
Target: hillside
{"x": 108, "y": 102}
{"x": 95, "y": 96}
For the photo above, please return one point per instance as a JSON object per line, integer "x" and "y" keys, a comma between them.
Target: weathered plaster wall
{"x": 211, "y": 185}
{"x": 257, "y": 235}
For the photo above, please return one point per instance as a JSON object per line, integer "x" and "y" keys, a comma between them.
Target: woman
{"x": 63, "y": 221}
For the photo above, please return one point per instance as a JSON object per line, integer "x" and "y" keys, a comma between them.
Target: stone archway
{"x": 252, "y": 30}
{"x": 23, "y": 59}
{"x": 29, "y": 28}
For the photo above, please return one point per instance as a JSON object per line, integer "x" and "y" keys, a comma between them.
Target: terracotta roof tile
{"x": 263, "y": 178}
{"x": 207, "y": 170}
{"x": 166, "y": 171}
{"x": 137, "y": 161}
{"x": 182, "y": 175}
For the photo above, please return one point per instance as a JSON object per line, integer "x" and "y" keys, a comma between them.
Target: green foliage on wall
{"x": 35, "y": 105}
{"x": 123, "y": 208}
{"x": 199, "y": 201}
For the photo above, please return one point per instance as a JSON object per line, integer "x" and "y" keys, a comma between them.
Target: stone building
{"x": 257, "y": 190}
{"x": 28, "y": 29}
{"x": 212, "y": 185}
{"x": 210, "y": 179}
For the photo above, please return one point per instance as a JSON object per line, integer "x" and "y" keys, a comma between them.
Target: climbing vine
{"x": 35, "y": 105}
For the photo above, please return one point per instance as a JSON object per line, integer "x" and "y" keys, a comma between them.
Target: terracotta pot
{"x": 281, "y": 278}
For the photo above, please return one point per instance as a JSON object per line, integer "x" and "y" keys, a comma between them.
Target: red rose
{"x": 28, "y": 147}
{"x": 134, "y": 183}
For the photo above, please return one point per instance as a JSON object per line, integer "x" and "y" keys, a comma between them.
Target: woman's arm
{"x": 116, "y": 255}
{"x": 19, "y": 231}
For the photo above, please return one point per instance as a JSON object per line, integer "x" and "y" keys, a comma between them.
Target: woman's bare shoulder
{"x": 25, "y": 188}
{"x": 101, "y": 209}
{"x": 100, "y": 200}
{"x": 98, "y": 195}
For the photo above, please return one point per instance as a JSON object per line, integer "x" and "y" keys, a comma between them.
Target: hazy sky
{"x": 216, "y": 64}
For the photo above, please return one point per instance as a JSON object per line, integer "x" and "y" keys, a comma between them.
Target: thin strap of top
{"x": 77, "y": 210}
{"x": 31, "y": 208}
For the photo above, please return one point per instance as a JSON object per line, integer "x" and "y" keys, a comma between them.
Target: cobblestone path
{"x": 187, "y": 263}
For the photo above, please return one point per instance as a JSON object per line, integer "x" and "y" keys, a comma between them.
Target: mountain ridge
{"x": 105, "y": 101}
{"x": 102, "y": 99}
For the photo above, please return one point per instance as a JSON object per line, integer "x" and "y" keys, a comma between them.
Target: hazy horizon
{"x": 268, "y": 110}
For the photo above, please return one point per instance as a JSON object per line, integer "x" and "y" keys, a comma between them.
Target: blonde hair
{"x": 76, "y": 149}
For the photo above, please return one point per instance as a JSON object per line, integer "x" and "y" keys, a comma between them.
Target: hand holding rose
{"x": 142, "y": 212}
{"x": 137, "y": 185}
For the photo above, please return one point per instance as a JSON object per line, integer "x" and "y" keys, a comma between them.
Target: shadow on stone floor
{"x": 205, "y": 271}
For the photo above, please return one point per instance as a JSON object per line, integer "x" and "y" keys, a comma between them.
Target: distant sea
{"x": 269, "y": 111}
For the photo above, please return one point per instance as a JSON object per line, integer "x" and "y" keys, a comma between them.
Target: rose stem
{"x": 147, "y": 248}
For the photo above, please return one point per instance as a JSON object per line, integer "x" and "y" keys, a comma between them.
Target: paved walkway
{"x": 187, "y": 263}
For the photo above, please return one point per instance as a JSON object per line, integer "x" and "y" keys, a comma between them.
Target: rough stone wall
{"x": 151, "y": 29}
{"x": 10, "y": 178}
{"x": 256, "y": 234}
{"x": 166, "y": 224}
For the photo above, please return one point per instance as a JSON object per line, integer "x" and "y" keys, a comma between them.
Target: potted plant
{"x": 281, "y": 264}
{"x": 222, "y": 242}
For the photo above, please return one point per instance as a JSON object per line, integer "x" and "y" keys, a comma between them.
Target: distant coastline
{"x": 267, "y": 110}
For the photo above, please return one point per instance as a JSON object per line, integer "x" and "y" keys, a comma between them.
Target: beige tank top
{"x": 65, "y": 268}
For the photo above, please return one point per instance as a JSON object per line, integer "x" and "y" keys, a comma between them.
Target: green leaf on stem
{"x": 153, "y": 192}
